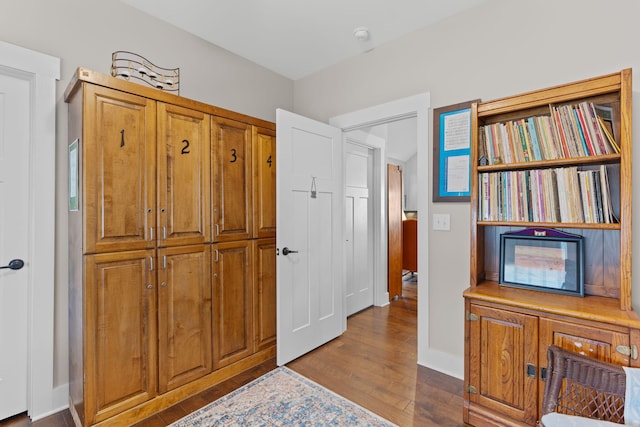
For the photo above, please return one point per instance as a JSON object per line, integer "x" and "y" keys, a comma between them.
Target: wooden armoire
{"x": 171, "y": 247}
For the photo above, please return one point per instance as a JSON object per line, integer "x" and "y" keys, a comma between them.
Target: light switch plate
{"x": 442, "y": 222}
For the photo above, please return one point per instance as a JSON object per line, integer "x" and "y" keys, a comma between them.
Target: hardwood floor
{"x": 372, "y": 364}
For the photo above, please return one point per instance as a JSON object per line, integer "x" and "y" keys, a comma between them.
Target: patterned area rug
{"x": 282, "y": 398}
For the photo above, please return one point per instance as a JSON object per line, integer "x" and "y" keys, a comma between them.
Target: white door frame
{"x": 43, "y": 71}
{"x": 414, "y": 106}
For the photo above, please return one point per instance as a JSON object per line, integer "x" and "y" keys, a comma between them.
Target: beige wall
{"x": 85, "y": 33}
{"x": 501, "y": 48}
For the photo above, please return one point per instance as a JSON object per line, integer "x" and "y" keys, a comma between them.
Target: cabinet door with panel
{"x": 264, "y": 182}
{"x": 184, "y": 176}
{"x": 592, "y": 341}
{"x": 231, "y": 165}
{"x": 503, "y": 358}
{"x": 118, "y": 170}
{"x": 232, "y": 269}
{"x": 264, "y": 292}
{"x": 184, "y": 315}
{"x": 120, "y": 332}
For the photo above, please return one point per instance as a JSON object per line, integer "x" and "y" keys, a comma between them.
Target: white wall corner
{"x": 59, "y": 402}
{"x": 446, "y": 363}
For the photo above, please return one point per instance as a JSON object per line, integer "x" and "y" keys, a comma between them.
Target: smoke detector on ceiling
{"x": 361, "y": 34}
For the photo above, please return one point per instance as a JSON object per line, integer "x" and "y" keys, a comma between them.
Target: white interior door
{"x": 14, "y": 191}
{"x": 358, "y": 239}
{"x": 309, "y": 213}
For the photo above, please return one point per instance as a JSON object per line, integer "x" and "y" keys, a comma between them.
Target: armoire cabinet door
{"x": 264, "y": 182}
{"x": 232, "y": 269}
{"x": 118, "y": 170}
{"x": 184, "y": 315}
{"x": 264, "y": 292}
{"x": 184, "y": 176}
{"x": 503, "y": 358}
{"x": 231, "y": 166}
{"x": 120, "y": 332}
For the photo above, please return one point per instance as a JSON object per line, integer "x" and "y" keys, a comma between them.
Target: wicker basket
{"x": 583, "y": 386}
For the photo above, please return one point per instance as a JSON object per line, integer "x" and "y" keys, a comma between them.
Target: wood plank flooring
{"x": 372, "y": 364}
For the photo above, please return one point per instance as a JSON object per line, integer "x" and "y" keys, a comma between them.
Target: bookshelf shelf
{"x": 593, "y": 226}
{"x": 507, "y": 330}
{"x": 577, "y": 161}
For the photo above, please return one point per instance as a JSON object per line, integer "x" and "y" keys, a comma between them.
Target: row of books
{"x": 580, "y": 130}
{"x": 567, "y": 195}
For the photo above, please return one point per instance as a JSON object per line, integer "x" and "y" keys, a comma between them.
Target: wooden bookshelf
{"x": 507, "y": 330}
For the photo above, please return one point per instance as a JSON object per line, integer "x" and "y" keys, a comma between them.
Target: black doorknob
{"x": 287, "y": 251}
{"x": 14, "y": 264}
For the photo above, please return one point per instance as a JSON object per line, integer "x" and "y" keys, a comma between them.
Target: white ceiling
{"x": 296, "y": 38}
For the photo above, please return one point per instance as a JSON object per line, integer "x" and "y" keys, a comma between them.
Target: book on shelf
{"x": 605, "y": 114}
{"x": 569, "y": 131}
{"x": 584, "y": 123}
{"x": 565, "y": 195}
{"x": 532, "y": 138}
{"x": 609, "y": 135}
{"x": 585, "y": 151}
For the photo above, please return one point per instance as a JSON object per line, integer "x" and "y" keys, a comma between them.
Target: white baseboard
{"x": 444, "y": 362}
{"x": 59, "y": 402}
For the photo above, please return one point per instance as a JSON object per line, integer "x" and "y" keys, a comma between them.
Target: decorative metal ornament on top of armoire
{"x": 129, "y": 65}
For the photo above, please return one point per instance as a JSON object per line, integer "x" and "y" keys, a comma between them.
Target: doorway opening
{"x": 400, "y": 142}
{"x": 417, "y": 108}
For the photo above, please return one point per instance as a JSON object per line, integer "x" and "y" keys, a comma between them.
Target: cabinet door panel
{"x": 120, "y": 332}
{"x": 232, "y": 302}
{"x": 503, "y": 349}
{"x": 184, "y": 315}
{"x": 184, "y": 176}
{"x": 232, "y": 207}
{"x": 264, "y": 182}
{"x": 590, "y": 341}
{"x": 264, "y": 292}
{"x": 118, "y": 170}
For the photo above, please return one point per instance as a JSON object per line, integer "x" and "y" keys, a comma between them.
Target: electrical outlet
{"x": 442, "y": 222}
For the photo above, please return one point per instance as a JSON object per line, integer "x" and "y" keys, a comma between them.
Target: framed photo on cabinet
{"x": 542, "y": 259}
{"x": 452, "y": 152}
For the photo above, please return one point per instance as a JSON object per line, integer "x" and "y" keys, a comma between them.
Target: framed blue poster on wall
{"x": 452, "y": 152}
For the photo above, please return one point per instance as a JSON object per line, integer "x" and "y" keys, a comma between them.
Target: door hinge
{"x": 471, "y": 316}
{"x": 471, "y": 389}
{"x": 626, "y": 350}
